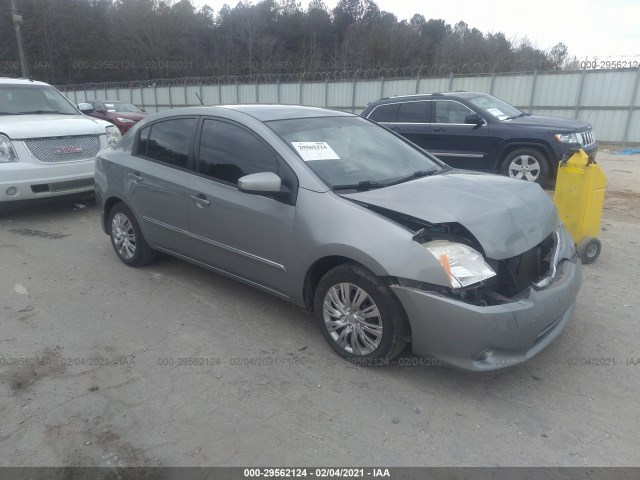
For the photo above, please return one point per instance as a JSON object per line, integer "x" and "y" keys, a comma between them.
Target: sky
{"x": 589, "y": 28}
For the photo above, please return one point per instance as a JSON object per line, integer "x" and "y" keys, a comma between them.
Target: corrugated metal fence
{"x": 608, "y": 99}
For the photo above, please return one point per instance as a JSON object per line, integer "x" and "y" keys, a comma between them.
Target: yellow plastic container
{"x": 579, "y": 198}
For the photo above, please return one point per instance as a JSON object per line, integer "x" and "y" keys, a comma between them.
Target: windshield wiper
{"x": 35, "y": 112}
{"x": 517, "y": 116}
{"x": 361, "y": 186}
{"x": 414, "y": 175}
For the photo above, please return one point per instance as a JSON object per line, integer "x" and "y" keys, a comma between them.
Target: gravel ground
{"x": 267, "y": 390}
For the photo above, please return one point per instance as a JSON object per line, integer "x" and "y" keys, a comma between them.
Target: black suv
{"x": 481, "y": 132}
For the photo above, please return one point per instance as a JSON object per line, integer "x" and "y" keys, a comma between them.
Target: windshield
{"x": 351, "y": 151}
{"x": 496, "y": 107}
{"x": 122, "y": 107}
{"x": 33, "y": 99}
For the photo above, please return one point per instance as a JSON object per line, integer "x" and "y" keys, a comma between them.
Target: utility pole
{"x": 17, "y": 21}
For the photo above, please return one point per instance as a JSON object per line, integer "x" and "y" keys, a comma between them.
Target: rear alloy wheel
{"x": 527, "y": 164}
{"x": 127, "y": 239}
{"x": 359, "y": 316}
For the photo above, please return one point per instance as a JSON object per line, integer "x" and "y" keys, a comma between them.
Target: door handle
{"x": 200, "y": 200}
{"x": 136, "y": 177}
{"x": 440, "y": 129}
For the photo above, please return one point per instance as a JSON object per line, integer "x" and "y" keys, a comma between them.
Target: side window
{"x": 143, "y": 141}
{"x": 413, "y": 112}
{"x": 385, "y": 113}
{"x": 170, "y": 141}
{"x": 228, "y": 152}
{"x": 450, "y": 112}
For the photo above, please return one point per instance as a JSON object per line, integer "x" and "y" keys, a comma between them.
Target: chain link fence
{"x": 607, "y": 98}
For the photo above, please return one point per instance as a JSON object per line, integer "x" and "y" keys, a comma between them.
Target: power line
{"x": 17, "y": 21}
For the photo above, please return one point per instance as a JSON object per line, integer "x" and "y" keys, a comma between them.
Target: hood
{"x": 508, "y": 217}
{"x": 18, "y": 127}
{"x": 130, "y": 115}
{"x": 546, "y": 123}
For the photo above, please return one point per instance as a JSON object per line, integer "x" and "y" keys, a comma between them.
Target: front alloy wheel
{"x": 359, "y": 316}
{"x": 524, "y": 167}
{"x": 527, "y": 164}
{"x": 352, "y": 319}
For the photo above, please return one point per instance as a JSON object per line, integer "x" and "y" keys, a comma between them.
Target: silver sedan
{"x": 384, "y": 243}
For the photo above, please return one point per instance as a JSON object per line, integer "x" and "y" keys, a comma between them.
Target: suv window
{"x": 448, "y": 111}
{"x": 228, "y": 152}
{"x": 413, "y": 112}
{"x": 168, "y": 141}
{"x": 385, "y": 113}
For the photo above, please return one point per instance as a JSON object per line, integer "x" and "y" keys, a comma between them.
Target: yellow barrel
{"x": 579, "y": 198}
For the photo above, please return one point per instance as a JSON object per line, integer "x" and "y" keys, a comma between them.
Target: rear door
{"x": 243, "y": 234}
{"x": 455, "y": 142}
{"x": 158, "y": 179}
{"x": 409, "y": 118}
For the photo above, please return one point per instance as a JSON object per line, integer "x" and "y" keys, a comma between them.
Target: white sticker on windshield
{"x": 315, "y": 151}
{"x": 496, "y": 112}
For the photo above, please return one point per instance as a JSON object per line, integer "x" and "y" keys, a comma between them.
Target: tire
{"x": 127, "y": 239}
{"x": 589, "y": 250}
{"x": 373, "y": 340}
{"x": 528, "y": 164}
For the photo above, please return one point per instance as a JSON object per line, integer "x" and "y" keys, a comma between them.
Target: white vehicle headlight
{"x": 7, "y": 152}
{"x": 566, "y": 137}
{"x": 113, "y": 135}
{"x": 463, "y": 265}
{"x": 124, "y": 120}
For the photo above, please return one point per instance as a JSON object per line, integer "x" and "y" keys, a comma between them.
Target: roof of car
{"x": 426, "y": 96}
{"x": 20, "y": 81}
{"x": 264, "y": 113}
{"x": 261, "y": 112}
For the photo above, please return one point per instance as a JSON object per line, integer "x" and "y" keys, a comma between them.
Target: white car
{"x": 47, "y": 145}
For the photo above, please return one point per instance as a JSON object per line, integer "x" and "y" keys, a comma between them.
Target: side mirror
{"x": 473, "y": 119}
{"x": 263, "y": 183}
{"x": 85, "y": 108}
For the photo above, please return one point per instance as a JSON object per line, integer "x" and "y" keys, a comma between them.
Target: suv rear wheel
{"x": 528, "y": 164}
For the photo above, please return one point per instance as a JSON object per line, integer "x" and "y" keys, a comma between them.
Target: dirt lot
{"x": 113, "y": 389}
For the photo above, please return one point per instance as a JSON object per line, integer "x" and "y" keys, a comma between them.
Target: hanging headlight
{"x": 463, "y": 265}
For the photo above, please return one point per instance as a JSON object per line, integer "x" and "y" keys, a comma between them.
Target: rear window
{"x": 385, "y": 113}
{"x": 168, "y": 141}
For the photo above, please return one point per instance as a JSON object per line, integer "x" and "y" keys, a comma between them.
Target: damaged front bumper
{"x": 482, "y": 338}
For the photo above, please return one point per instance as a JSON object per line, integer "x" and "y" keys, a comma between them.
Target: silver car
{"x": 383, "y": 242}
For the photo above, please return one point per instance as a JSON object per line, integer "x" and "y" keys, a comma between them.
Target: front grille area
{"x": 64, "y": 149}
{"x": 518, "y": 273}
{"x": 63, "y": 186}
{"x": 587, "y": 138}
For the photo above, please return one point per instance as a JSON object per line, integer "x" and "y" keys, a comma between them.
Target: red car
{"x": 123, "y": 115}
